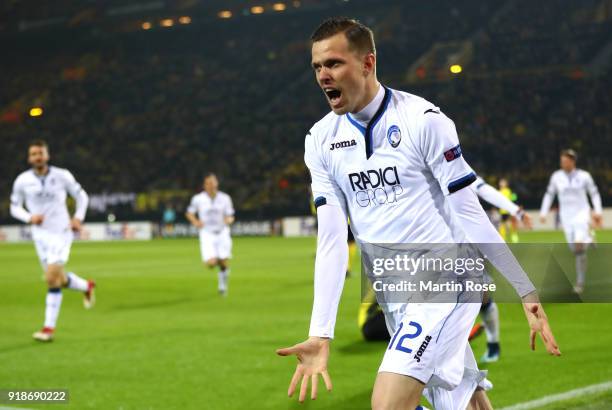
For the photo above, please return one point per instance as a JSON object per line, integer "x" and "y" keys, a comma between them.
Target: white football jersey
{"x": 212, "y": 211}
{"x": 392, "y": 176}
{"x": 46, "y": 195}
{"x": 571, "y": 190}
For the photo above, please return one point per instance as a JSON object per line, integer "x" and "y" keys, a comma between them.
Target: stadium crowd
{"x": 147, "y": 111}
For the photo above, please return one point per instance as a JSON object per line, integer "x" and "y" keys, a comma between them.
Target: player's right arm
{"x": 330, "y": 269}
{"x": 548, "y": 199}
{"x": 596, "y": 200}
{"x": 17, "y": 209}
{"x": 191, "y": 214}
{"x": 81, "y": 198}
{"x": 229, "y": 212}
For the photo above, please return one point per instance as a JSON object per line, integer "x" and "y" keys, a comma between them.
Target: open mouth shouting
{"x": 333, "y": 96}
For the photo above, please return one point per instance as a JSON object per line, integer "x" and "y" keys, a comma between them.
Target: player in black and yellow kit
{"x": 508, "y": 226}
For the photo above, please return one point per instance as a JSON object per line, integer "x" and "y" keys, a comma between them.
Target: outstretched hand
{"x": 312, "y": 356}
{"x": 538, "y": 323}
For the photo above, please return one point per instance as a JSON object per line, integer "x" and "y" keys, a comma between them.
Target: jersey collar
{"x": 366, "y": 131}
{"x": 41, "y": 175}
{"x": 210, "y": 197}
{"x": 367, "y": 112}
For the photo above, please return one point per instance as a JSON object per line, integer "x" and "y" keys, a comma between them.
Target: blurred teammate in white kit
{"x": 44, "y": 188}
{"x": 571, "y": 186}
{"x": 212, "y": 212}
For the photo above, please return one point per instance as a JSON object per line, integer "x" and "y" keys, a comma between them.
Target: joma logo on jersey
{"x": 376, "y": 186}
{"x": 342, "y": 144}
{"x": 421, "y": 350}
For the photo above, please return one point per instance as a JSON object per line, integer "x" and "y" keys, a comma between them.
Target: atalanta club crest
{"x": 394, "y": 136}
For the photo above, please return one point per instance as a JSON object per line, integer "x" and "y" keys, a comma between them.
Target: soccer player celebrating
{"x": 571, "y": 186}
{"x": 376, "y": 134}
{"x": 44, "y": 189}
{"x": 212, "y": 212}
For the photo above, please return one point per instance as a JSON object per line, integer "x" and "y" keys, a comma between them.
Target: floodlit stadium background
{"x": 139, "y": 98}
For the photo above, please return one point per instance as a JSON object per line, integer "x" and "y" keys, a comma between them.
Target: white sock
{"x": 77, "y": 283}
{"x": 223, "y": 279}
{"x": 490, "y": 317}
{"x": 581, "y": 268}
{"x": 52, "y": 309}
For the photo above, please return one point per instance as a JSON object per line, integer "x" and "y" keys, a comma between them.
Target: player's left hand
{"x": 312, "y": 358}
{"x": 538, "y": 323}
{"x": 597, "y": 221}
{"x": 75, "y": 225}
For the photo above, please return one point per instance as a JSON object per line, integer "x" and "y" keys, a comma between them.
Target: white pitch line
{"x": 568, "y": 395}
{"x": 13, "y": 408}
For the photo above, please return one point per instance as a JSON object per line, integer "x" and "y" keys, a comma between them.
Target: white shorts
{"x": 577, "y": 232}
{"x": 215, "y": 246}
{"x": 429, "y": 342}
{"x": 53, "y": 248}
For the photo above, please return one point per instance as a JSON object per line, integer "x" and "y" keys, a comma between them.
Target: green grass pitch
{"x": 161, "y": 338}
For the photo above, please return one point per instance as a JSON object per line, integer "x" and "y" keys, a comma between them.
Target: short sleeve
{"x": 17, "y": 195}
{"x": 193, "y": 206}
{"x": 551, "y": 188}
{"x": 71, "y": 184}
{"x": 442, "y": 153}
{"x": 229, "y": 207}
{"x": 593, "y": 193}
{"x": 590, "y": 184}
{"x": 324, "y": 189}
